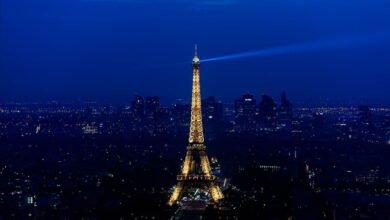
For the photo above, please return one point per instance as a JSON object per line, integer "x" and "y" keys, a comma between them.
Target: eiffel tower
{"x": 196, "y": 171}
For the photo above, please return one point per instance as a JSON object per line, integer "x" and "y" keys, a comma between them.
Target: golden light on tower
{"x": 194, "y": 175}
{"x": 196, "y": 127}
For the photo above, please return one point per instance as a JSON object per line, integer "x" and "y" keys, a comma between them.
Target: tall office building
{"x": 138, "y": 107}
{"x": 285, "y": 113}
{"x": 212, "y": 112}
{"x": 267, "y": 114}
{"x": 245, "y": 114}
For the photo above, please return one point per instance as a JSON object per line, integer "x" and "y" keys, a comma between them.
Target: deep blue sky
{"x": 113, "y": 49}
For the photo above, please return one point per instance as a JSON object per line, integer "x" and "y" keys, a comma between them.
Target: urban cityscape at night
{"x": 274, "y": 159}
{"x": 194, "y": 110}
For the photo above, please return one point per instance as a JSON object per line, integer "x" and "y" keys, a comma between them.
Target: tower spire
{"x": 196, "y": 126}
{"x": 196, "y": 59}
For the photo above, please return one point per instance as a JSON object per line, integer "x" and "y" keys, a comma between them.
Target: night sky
{"x": 113, "y": 49}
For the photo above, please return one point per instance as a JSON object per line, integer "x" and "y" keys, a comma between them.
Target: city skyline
{"x": 117, "y": 152}
{"x": 168, "y": 101}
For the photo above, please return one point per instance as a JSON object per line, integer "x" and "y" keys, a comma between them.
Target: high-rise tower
{"x": 196, "y": 172}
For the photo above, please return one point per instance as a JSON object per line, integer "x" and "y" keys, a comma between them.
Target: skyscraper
{"x": 212, "y": 111}
{"x": 285, "y": 113}
{"x": 267, "y": 114}
{"x": 138, "y": 107}
{"x": 245, "y": 114}
{"x": 180, "y": 114}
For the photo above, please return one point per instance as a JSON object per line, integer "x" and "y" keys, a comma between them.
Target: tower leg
{"x": 215, "y": 192}
{"x": 176, "y": 193}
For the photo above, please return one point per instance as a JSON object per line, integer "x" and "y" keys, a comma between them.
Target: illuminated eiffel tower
{"x": 196, "y": 171}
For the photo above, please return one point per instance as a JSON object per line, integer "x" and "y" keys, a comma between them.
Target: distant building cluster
{"x": 245, "y": 116}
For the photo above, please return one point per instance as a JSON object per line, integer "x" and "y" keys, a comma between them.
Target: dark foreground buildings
{"x": 99, "y": 161}
{"x": 111, "y": 161}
